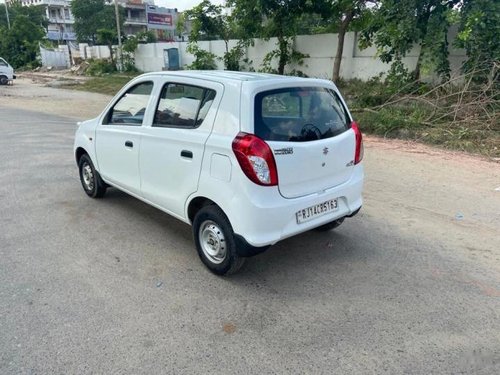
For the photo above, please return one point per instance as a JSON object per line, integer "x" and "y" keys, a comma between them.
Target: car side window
{"x": 3, "y": 63}
{"x": 183, "y": 106}
{"x": 131, "y": 107}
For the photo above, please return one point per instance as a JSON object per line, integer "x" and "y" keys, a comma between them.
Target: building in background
{"x": 163, "y": 21}
{"x": 142, "y": 15}
{"x": 136, "y": 20}
{"x": 58, "y": 12}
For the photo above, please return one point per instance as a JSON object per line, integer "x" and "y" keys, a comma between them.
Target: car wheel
{"x": 3, "y": 80}
{"x": 91, "y": 181}
{"x": 215, "y": 242}
{"x": 329, "y": 226}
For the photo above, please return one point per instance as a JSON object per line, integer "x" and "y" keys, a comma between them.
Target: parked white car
{"x": 6, "y": 72}
{"x": 247, "y": 159}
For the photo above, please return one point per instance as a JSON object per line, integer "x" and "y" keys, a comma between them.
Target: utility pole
{"x": 7, "y": 13}
{"x": 117, "y": 14}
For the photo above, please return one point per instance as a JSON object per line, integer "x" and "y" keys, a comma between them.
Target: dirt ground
{"x": 34, "y": 95}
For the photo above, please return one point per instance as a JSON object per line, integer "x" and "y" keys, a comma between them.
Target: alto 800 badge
{"x": 284, "y": 151}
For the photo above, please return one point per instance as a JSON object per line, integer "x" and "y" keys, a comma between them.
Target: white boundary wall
{"x": 356, "y": 63}
{"x": 57, "y": 58}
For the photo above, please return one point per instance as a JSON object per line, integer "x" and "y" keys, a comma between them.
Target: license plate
{"x": 315, "y": 211}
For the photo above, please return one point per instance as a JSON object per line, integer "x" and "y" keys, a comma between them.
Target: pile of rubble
{"x": 80, "y": 67}
{"x": 55, "y": 77}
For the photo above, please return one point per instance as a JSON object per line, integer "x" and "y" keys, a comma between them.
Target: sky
{"x": 182, "y": 5}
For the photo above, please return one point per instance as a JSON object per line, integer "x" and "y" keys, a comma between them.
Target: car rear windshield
{"x": 299, "y": 114}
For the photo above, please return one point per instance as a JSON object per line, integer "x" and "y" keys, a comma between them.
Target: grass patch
{"x": 107, "y": 84}
{"x": 463, "y": 117}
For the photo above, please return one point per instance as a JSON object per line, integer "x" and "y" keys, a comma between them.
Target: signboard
{"x": 160, "y": 20}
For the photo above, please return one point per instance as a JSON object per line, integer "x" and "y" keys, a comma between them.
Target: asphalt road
{"x": 115, "y": 286}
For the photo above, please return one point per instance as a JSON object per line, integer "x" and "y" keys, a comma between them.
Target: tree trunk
{"x": 110, "y": 46}
{"x": 283, "y": 47}
{"x": 416, "y": 72}
{"x": 340, "y": 48}
{"x": 425, "y": 19}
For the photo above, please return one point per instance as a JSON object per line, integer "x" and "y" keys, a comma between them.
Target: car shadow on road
{"x": 300, "y": 255}
{"x": 310, "y": 252}
{"x": 155, "y": 219}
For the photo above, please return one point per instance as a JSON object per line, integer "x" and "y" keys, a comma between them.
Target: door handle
{"x": 129, "y": 144}
{"x": 186, "y": 154}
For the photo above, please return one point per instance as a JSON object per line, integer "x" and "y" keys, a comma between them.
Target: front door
{"x": 118, "y": 138}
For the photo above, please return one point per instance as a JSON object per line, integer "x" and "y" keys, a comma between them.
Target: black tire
{"x": 3, "y": 80}
{"x": 329, "y": 226}
{"x": 91, "y": 181}
{"x": 214, "y": 239}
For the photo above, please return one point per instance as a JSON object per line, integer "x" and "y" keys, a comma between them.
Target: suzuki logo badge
{"x": 325, "y": 151}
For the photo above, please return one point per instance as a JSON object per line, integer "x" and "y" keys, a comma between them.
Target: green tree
{"x": 479, "y": 35}
{"x": 208, "y": 22}
{"x": 340, "y": 15}
{"x": 272, "y": 18}
{"x": 20, "y": 44}
{"x": 93, "y": 15}
{"x": 108, "y": 37}
{"x": 204, "y": 60}
{"x": 399, "y": 25}
{"x": 35, "y": 13}
{"x": 211, "y": 22}
{"x": 130, "y": 46}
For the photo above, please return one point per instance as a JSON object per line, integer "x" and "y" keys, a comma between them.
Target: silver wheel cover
{"x": 212, "y": 242}
{"x": 87, "y": 177}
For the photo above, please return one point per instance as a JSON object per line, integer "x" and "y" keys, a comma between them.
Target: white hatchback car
{"x": 247, "y": 159}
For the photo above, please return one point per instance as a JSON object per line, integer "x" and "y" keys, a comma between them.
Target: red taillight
{"x": 256, "y": 159}
{"x": 358, "y": 154}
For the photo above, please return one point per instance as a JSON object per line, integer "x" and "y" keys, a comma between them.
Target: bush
{"x": 365, "y": 94}
{"x": 130, "y": 46}
{"x": 461, "y": 116}
{"x": 100, "y": 67}
{"x": 129, "y": 67}
{"x": 204, "y": 60}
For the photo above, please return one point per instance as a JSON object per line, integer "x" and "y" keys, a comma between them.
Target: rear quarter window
{"x": 299, "y": 114}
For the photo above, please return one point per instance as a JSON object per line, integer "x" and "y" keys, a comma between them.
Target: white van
{"x": 6, "y": 72}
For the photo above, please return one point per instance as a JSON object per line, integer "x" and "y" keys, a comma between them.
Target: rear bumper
{"x": 355, "y": 212}
{"x": 246, "y": 250}
{"x": 264, "y": 219}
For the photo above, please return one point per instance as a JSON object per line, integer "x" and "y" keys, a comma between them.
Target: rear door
{"x": 308, "y": 129}
{"x": 172, "y": 147}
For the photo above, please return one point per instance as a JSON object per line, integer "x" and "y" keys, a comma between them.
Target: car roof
{"x": 225, "y": 75}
